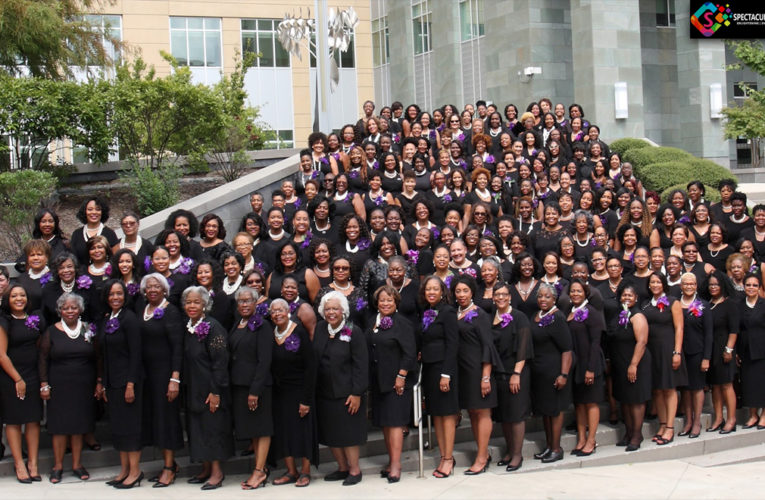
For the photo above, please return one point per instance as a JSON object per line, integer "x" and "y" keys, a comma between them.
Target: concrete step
{"x": 746, "y": 454}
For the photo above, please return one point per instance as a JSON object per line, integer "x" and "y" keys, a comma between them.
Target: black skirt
{"x": 696, "y": 378}
{"x": 15, "y": 411}
{"x": 391, "y": 410}
{"x": 337, "y": 427}
{"x": 125, "y": 418}
{"x": 252, "y": 424}
{"x": 587, "y": 394}
{"x": 210, "y": 435}
{"x": 513, "y": 408}
{"x": 161, "y": 425}
{"x": 293, "y": 436}
{"x": 752, "y": 375}
{"x": 438, "y": 403}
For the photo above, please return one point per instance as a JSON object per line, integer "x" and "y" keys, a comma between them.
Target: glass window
{"x": 196, "y": 41}
{"x": 259, "y": 36}
{"x": 342, "y": 59}
{"x": 741, "y": 90}
{"x": 471, "y": 19}
{"x": 421, "y": 26}
{"x": 380, "y": 44}
{"x": 281, "y": 139}
{"x": 109, "y": 26}
{"x": 665, "y": 13}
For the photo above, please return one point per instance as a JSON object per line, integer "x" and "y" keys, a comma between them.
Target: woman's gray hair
{"x": 245, "y": 289}
{"x": 583, "y": 213}
{"x": 494, "y": 261}
{"x": 335, "y": 295}
{"x": 202, "y": 292}
{"x": 551, "y": 288}
{"x": 66, "y": 297}
{"x": 279, "y": 302}
{"x": 159, "y": 278}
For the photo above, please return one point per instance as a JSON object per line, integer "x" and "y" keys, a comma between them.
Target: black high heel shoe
{"x": 542, "y": 454}
{"x": 174, "y": 469}
{"x": 716, "y": 428}
{"x": 160, "y": 484}
{"x": 513, "y": 468}
{"x": 126, "y": 486}
{"x": 213, "y": 486}
{"x": 115, "y": 482}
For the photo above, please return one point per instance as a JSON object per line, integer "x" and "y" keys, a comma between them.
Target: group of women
{"x": 515, "y": 261}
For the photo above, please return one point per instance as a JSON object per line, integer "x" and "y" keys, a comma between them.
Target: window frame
{"x": 204, "y": 31}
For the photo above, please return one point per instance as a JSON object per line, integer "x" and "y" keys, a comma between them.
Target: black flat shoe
{"x": 338, "y": 475}
{"x": 351, "y": 479}
{"x": 213, "y": 486}
{"x": 554, "y": 456}
{"x": 542, "y": 454}
{"x": 513, "y": 468}
{"x": 717, "y": 427}
{"x": 728, "y": 431}
{"x": 198, "y": 480}
{"x": 126, "y": 486}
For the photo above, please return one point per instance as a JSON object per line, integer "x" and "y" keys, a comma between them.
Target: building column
{"x": 446, "y": 85}
{"x": 401, "y": 65}
{"x": 700, "y": 63}
{"x": 606, "y": 49}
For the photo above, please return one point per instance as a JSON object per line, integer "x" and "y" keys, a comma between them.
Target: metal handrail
{"x": 417, "y": 402}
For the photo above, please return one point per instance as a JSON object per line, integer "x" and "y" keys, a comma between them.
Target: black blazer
{"x": 77, "y": 243}
{"x": 348, "y": 361}
{"x": 121, "y": 351}
{"x": 250, "y": 358}
{"x": 440, "y": 342}
{"x": 392, "y": 350}
{"x": 698, "y": 332}
{"x": 205, "y": 364}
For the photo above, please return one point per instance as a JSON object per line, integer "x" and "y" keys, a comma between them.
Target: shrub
{"x": 712, "y": 194}
{"x": 155, "y": 189}
{"x": 621, "y": 146}
{"x": 21, "y": 193}
{"x": 648, "y": 156}
{"x": 660, "y": 176}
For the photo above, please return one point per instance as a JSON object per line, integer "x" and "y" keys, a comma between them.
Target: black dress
{"x": 69, "y": 367}
{"x": 751, "y": 348}
{"x": 50, "y": 294}
{"x": 293, "y": 367}
{"x": 34, "y": 288}
{"x": 661, "y": 343}
{"x": 476, "y": 347}
{"x": 250, "y": 352}
{"x": 438, "y": 347}
{"x": 343, "y": 364}
{"x": 22, "y": 337}
{"x": 162, "y": 337}
{"x": 205, "y": 371}
{"x": 277, "y": 277}
{"x": 586, "y": 335}
{"x": 621, "y": 340}
{"x": 725, "y": 320}
{"x": 528, "y": 304}
{"x": 550, "y": 342}
{"x": 121, "y": 352}
{"x": 223, "y": 309}
{"x": 697, "y": 344}
{"x": 78, "y": 242}
{"x": 513, "y": 343}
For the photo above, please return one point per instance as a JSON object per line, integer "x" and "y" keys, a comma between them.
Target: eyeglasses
{"x": 479, "y": 213}
{"x": 129, "y": 223}
{"x": 342, "y": 268}
{"x": 501, "y": 294}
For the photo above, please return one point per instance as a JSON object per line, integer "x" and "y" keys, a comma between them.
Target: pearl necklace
{"x": 278, "y": 236}
{"x": 97, "y": 270}
{"x": 482, "y": 193}
{"x": 342, "y": 288}
{"x": 98, "y": 231}
{"x": 348, "y": 247}
{"x": 282, "y": 335}
{"x": 461, "y": 311}
{"x": 751, "y": 306}
{"x": 580, "y": 306}
{"x": 18, "y": 317}
{"x": 334, "y": 331}
{"x": 586, "y": 243}
{"x": 72, "y": 333}
{"x": 147, "y": 316}
{"x": 229, "y": 288}
{"x": 498, "y": 315}
{"x": 549, "y": 311}
{"x": 739, "y": 221}
{"x": 67, "y": 288}
{"x": 134, "y": 246}
{"x": 528, "y": 289}
{"x": 689, "y": 303}
{"x": 37, "y": 276}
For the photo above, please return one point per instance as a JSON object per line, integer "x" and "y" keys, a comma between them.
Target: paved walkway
{"x": 755, "y": 192}
{"x": 673, "y": 479}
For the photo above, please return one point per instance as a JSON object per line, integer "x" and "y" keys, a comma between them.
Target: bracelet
{"x": 728, "y": 350}
{"x": 486, "y": 379}
{"x": 44, "y": 388}
{"x": 676, "y": 353}
{"x": 177, "y": 381}
{"x": 517, "y": 373}
{"x": 398, "y": 375}
{"x": 564, "y": 375}
{"x": 447, "y": 377}
{"x": 19, "y": 380}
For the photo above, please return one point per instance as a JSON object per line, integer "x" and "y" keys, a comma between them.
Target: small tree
{"x": 154, "y": 189}
{"x": 21, "y": 193}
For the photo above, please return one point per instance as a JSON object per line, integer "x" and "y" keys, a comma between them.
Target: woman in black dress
{"x": 342, "y": 381}
{"x": 37, "y": 273}
{"x": 438, "y": 342}
{"x": 630, "y": 364}
{"x": 64, "y": 271}
{"x": 127, "y": 268}
{"x": 93, "y": 213}
{"x": 476, "y": 356}
{"x": 342, "y": 281}
{"x": 751, "y": 351}
{"x": 208, "y": 402}
{"x": 95, "y": 274}
{"x": 293, "y": 367}
{"x": 665, "y": 342}
{"x": 19, "y": 380}
{"x": 162, "y": 356}
{"x": 722, "y": 368}
{"x": 46, "y": 227}
{"x": 209, "y": 274}
{"x": 178, "y": 279}
{"x": 550, "y": 369}
{"x": 249, "y": 345}
{"x": 290, "y": 261}
{"x": 697, "y": 350}
{"x": 301, "y": 311}
{"x": 120, "y": 336}
{"x": 586, "y": 325}
{"x": 401, "y": 276}
{"x": 213, "y": 241}
{"x": 512, "y": 338}
{"x": 547, "y": 237}
{"x": 523, "y": 292}
{"x": 67, "y": 368}
{"x": 393, "y": 354}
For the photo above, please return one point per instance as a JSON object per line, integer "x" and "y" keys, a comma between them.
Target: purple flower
{"x": 376, "y": 165}
{"x": 325, "y": 160}
{"x": 603, "y": 219}
{"x": 412, "y": 256}
{"x": 432, "y": 135}
{"x": 447, "y": 198}
{"x": 170, "y": 282}
{"x": 696, "y": 308}
{"x": 262, "y": 309}
{"x": 297, "y": 203}
{"x": 440, "y": 128}
{"x": 684, "y": 220}
{"x": 159, "y": 313}
{"x": 315, "y": 174}
{"x": 470, "y": 315}
{"x": 363, "y": 244}
{"x": 32, "y": 322}
{"x": 345, "y": 334}
{"x": 489, "y": 159}
{"x": 469, "y": 271}
{"x": 88, "y": 331}
{"x": 336, "y": 156}
{"x": 436, "y": 233}
{"x": 428, "y": 317}
{"x": 544, "y": 195}
{"x": 753, "y": 267}
{"x": 353, "y": 174}
{"x": 294, "y": 306}
{"x": 147, "y": 263}
{"x": 292, "y": 343}
{"x": 624, "y": 317}
{"x": 254, "y": 322}
{"x": 202, "y": 330}
{"x": 632, "y": 257}
{"x": 506, "y": 319}
{"x": 396, "y": 138}
{"x": 132, "y": 288}
{"x": 186, "y": 265}
{"x": 546, "y": 320}
{"x": 108, "y": 270}
{"x": 487, "y": 233}
{"x": 307, "y": 240}
{"x": 535, "y": 203}
{"x": 558, "y": 287}
{"x": 662, "y": 303}
{"x": 463, "y": 164}
{"x": 593, "y": 243}
{"x": 448, "y": 280}
{"x": 581, "y": 315}
{"x": 386, "y": 323}
{"x": 379, "y": 201}
{"x": 461, "y": 137}
{"x": 45, "y": 279}
{"x": 360, "y": 304}
{"x": 84, "y": 282}
{"x": 598, "y": 185}
{"x": 112, "y": 325}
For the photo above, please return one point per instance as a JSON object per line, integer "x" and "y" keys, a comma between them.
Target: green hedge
{"x": 712, "y": 194}
{"x": 623, "y": 145}
{"x": 648, "y": 156}
{"x": 660, "y": 176}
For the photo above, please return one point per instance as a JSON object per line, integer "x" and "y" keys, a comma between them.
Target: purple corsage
{"x": 84, "y": 282}
{"x": 448, "y": 280}
{"x": 360, "y": 304}
{"x": 696, "y": 308}
{"x": 581, "y": 315}
{"x": 488, "y": 233}
{"x": 506, "y": 319}
{"x": 159, "y": 313}
{"x": 432, "y": 135}
{"x": 170, "y": 282}
{"x": 386, "y": 323}
{"x": 133, "y": 288}
{"x": 353, "y": 174}
{"x": 315, "y": 174}
{"x": 324, "y": 160}
{"x": 108, "y": 270}
{"x": 262, "y": 309}
{"x": 684, "y": 220}
{"x": 32, "y": 322}
{"x": 662, "y": 303}
{"x": 186, "y": 265}
{"x": 202, "y": 330}
{"x": 603, "y": 219}
{"x": 624, "y": 317}
{"x": 447, "y": 198}
{"x": 345, "y": 334}
{"x": 470, "y": 315}
{"x": 461, "y": 137}
{"x": 428, "y": 317}
{"x": 363, "y": 244}
{"x": 45, "y": 278}
{"x": 254, "y": 322}
{"x": 436, "y": 233}
{"x": 336, "y": 156}
{"x": 292, "y": 343}
{"x": 489, "y": 159}
{"x": 112, "y": 325}
{"x": 307, "y": 240}
{"x": 412, "y": 256}
{"x": 546, "y": 320}
{"x": 379, "y": 200}
{"x": 147, "y": 263}
{"x": 470, "y": 272}
{"x": 88, "y": 331}
{"x": 294, "y": 306}
{"x": 558, "y": 287}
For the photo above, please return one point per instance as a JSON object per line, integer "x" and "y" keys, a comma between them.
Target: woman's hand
{"x": 485, "y": 386}
{"x": 632, "y": 373}
{"x": 515, "y": 384}
{"x": 560, "y": 382}
{"x": 214, "y": 401}
{"x": 21, "y": 389}
{"x": 589, "y": 377}
{"x": 704, "y": 365}
{"x": 100, "y": 392}
{"x": 172, "y": 390}
{"x": 727, "y": 357}
{"x": 129, "y": 393}
{"x": 353, "y": 403}
{"x": 399, "y": 385}
{"x": 303, "y": 410}
{"x": 444, "y": 384}
{"x": 676, "y": 359}
{"x": 252, "y": 402}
